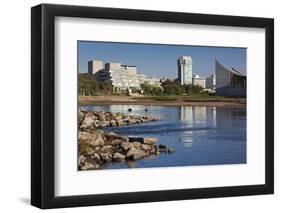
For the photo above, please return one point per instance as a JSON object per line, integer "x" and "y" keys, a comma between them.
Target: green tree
{"x": 86, "y": 86}
{"x": 106, "y": 87}
{"x": 149, "y": 89}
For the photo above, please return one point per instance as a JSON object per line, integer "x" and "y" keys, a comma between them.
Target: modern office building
{"x": 199, "y": 81}
{"x": 94, "y": 66}
{"x": 184, "y": 70}
{"x": 229, "y": 82}
{"x": 124, "y": 78}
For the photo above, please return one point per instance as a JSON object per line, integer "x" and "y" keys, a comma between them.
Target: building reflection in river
{"x": 191, "y": 116}
{"x": 202, "y": 119}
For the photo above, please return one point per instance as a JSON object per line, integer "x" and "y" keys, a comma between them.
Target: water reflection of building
{"x": 194, "y": 117}
{"x": 186, "y": 114}
{"x": 200, "y": 115}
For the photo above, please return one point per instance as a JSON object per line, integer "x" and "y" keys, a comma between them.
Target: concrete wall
{"x": 223, "y": 87}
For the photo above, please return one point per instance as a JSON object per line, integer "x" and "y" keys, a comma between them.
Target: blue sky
{"x": 156, "y": 60}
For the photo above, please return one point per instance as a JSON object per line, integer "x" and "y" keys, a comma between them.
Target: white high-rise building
{"x": 94, "y": 66}
{"x": 122, "y": 77}
{"x": 185, "y": 70}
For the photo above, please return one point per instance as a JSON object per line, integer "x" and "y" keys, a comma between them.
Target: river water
{"x": 200, "y": 135}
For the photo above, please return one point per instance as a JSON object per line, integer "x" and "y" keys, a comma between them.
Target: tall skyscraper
{"x": 185, "y": 70}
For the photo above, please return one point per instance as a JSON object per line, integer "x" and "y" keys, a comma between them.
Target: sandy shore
{"x": 98, "y": 100}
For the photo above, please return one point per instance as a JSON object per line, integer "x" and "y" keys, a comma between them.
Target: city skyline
{"x": 158, "y": 60}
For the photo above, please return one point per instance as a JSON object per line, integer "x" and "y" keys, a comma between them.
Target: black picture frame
{"x": 43, "y": 111}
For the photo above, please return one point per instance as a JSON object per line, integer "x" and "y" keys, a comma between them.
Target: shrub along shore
{"x": 98, "y": 148}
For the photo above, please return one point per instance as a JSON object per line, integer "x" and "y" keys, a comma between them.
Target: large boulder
{"x": 105, "y": 123}
{"x": 87, "y": 122}
{"x": 137, "y": 144}
{"x": 146, "y": 147}
{"x": 80, "y": 117}
{"x": 113, "y": 136}
{"x": 117, "y": 142}
{"x": 118, "y": 157}
{"x": 97, "y": 141}
{"x": 106, "y": 148}
{"x": 81, "y": 160}
{"x": 86, "y": 149}
{"x": 87, "y": 166}
{"x": 126, "y": 145}
{"x": 113, "y": 123}
{"x": 150, "y": 140}
{"x": 95, "y": 138}
{"x": 120, "y": 122}
{"x": 106, "y": 156}
{"x": 136, "y": 153}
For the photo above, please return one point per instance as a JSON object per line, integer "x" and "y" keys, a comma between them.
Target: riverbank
{"x": 208, "y": 101}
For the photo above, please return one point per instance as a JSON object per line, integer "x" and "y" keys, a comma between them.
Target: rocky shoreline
{"x": 94, "y": 119}
{"x": 97, "y": 148}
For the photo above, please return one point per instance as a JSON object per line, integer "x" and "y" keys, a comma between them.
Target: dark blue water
{"x": 200, "y": 135}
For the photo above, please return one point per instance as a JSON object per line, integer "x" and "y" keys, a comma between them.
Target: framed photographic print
{"x": 140, "y": 106}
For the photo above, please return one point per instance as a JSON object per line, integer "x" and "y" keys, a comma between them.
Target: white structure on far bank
{"x": 230, "y": 82}
{"x": 199, "y": 81}
{"x": 185, "y": 70}
{"x": 124, "y": 78}
{"x": 94, "y": 66}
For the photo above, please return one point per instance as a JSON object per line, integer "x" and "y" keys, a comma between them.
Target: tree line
{"x": 170, "y": 87}
{"x": 89, "y": 87}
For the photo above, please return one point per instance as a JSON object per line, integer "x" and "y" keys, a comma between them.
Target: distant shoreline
{"x": 124, "y": 100}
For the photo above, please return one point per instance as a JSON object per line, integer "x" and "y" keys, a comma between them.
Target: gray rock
{"x": 105, "y": 123}
{"x": 98, "y": 141}
{"x": 146, "y": 147}
{"x": 87, "y": 166}
{"x": 86, "y": 149}
{"x": 120, "y": 122}
{"x": 80, "y": 116}
{"x": 117, "y": 142}
{"x": 81, "y": 160}
{"x": 97, "y": 123}
{"x": 113, "y": 123}
{"x": 150, "y": 140}
{"x": 118, "y": 157}
{"x": 106, "y": 156}
{"x": 112, "y": 136}
{"x": 136, "y": 153}
{"x": 96, "y": 157}
{"x": 126, "y": 145}
{"x": 137, "y": 144}
{"x": 106, "y": 148}
{"x": 88, "y": 121}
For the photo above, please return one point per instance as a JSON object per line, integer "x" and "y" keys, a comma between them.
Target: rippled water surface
{"x": 200, "y": 135}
